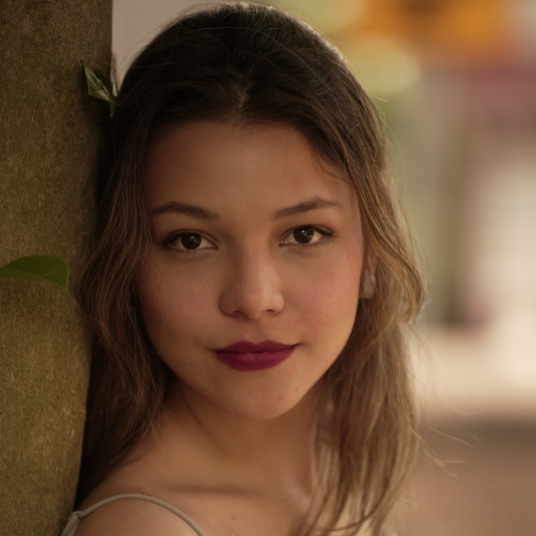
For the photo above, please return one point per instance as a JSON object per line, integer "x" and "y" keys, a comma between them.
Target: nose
{"x": 252, "y": 287}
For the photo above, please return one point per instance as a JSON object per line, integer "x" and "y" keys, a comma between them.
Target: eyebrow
{"x": 312, "y": 204}
{"x": 200, "y": 213}
{"x": 188, "y": 210}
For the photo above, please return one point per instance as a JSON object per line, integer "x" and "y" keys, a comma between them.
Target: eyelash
{"x": 167, "y": 243}
{"x": 325, "y": 234}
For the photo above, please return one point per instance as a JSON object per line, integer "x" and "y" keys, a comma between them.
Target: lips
{"x": 248, "y": 356}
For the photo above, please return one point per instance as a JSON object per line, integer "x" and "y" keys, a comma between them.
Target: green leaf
{"x": 96, "y": 87}
{"x": 100, "y": 76}
{"x": 43, "y": 268}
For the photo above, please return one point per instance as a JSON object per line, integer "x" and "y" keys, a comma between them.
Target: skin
{"x": 234, "y": 450}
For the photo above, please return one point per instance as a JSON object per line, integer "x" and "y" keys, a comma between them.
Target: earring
{"x": 369, "y": 285}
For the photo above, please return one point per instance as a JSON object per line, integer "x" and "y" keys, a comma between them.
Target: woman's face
{"x": 255, "y": 242}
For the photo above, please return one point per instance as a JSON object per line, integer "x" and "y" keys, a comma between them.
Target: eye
{"x": 188, "y": 241}
{"x": 307, "y": 235}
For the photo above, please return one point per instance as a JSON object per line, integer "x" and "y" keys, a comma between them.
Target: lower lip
{"x": 254, "y": 361}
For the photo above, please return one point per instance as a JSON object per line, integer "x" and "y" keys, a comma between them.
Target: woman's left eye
{"x": 306, "y": 235}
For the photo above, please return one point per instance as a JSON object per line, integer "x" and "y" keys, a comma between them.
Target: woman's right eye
{"x": 188, "y": 242}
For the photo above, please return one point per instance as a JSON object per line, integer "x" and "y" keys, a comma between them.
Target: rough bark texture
{"x": 49, "y": 140}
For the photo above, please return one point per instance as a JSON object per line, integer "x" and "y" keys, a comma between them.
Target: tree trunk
{"x": 49, "y": 141}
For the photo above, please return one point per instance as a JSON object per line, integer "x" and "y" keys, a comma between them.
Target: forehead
{"x": 262, "y": 166}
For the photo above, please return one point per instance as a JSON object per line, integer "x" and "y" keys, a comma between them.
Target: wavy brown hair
{"x": 247, "y": 64}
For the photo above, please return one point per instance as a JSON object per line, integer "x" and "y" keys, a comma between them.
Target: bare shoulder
{"x": 133, "y": 517}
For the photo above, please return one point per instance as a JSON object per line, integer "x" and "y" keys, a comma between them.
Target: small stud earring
{"x": 369, "y": 285}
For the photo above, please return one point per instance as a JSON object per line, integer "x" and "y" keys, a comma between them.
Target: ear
{"x": 371, "y": 259}
{"x": 368, "y": 281}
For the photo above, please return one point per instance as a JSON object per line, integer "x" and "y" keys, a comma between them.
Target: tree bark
{"x": 49, "y": 141}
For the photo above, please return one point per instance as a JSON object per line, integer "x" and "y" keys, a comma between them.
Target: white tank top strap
{"x": 76, "y": 517}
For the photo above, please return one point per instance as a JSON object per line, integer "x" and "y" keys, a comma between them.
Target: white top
{"x": 75, "y": 517}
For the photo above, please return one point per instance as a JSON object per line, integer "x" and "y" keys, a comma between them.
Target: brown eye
{"x": 303, "y": 235}
{"x": 307, "y": 235}
{"x": 190, "y": 240}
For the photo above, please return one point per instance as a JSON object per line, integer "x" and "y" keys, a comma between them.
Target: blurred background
{"x": 456, "y": 83}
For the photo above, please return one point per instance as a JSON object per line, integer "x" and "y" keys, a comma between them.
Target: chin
{"x": 271, "y": 405}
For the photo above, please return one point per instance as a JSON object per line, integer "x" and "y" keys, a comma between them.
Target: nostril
{"x": 251, "y": 303}
{"x": 252, "y": 287}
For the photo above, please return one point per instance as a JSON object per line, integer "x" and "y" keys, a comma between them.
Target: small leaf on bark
{"x": 42, "y": 268}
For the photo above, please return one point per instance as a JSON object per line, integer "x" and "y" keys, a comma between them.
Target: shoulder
{"x": 133, "y": 517}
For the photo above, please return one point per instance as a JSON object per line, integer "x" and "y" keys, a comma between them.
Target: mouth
{"x": 248, "y": 356}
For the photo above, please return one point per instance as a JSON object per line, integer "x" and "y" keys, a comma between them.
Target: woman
{"x": 249, "y": 291}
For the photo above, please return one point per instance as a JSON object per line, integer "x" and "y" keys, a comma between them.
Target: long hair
{"x": 247, "y": 64}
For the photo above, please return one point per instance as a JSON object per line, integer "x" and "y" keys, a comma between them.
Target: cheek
{"x": 330, "y": 298}
{"x": 170, "y": 304}
{"x": 191, "y": 302}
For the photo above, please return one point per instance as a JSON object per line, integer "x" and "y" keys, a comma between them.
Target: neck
{"x": 237, "y": 453}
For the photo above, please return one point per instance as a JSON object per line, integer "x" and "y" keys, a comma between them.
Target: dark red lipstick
{"x": 248, "y": 356}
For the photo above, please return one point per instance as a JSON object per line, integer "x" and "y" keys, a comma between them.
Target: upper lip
{"x": 246, "y": 347}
